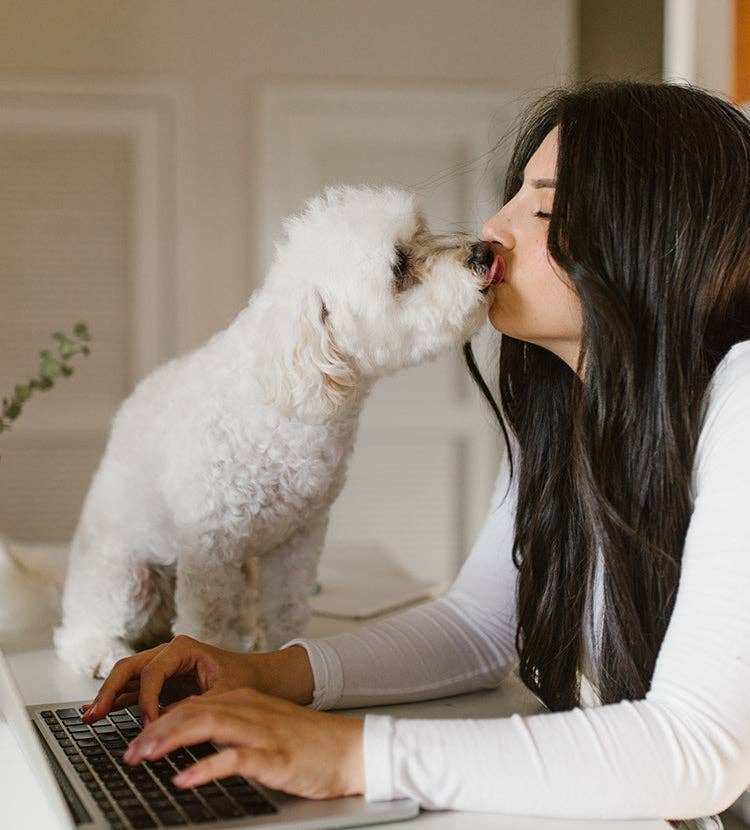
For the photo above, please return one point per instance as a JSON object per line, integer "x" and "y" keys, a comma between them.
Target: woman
{"x": 615, "y": 553}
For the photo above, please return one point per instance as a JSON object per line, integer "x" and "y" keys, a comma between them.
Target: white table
{"x": 43, "y": 679}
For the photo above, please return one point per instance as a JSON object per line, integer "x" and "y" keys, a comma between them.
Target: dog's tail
{"x": 31, "y": 582}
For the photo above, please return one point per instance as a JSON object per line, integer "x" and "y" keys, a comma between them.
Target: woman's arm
{"x": 461, "y": 642}
{"x": 684, "y": 750}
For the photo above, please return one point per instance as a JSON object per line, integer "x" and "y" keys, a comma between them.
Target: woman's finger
{"x": 172, "y": 706}
{"x": 123, "y": 700}
{"x": 130, "y": 686}
{"x": 175, "y": 658}
{"x": 222, "y": 764}
{"x": 122, "y": 673}
{"x": 220, "y": 695}
{"x": 190, "y": 724}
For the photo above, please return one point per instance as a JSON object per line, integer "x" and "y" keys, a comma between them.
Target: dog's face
{"x": 389, "y": 292}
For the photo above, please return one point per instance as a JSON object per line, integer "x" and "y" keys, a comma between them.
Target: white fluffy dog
{"x": 208, "y": 512}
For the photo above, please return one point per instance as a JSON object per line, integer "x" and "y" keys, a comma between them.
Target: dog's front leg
{"x": 210, "y": 592}
{"x": 285, "y": 580}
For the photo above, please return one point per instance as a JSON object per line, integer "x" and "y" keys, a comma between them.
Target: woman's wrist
{"x": 285, "y": 673}
{"x": 354, "y": 758}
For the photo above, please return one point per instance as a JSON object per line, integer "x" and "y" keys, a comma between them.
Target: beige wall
{"x": 218, "y": 51}
{"x": 619, "y": 40}
{"x": 212, "y": 59}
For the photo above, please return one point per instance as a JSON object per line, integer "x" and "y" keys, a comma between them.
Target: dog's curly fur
{"x": 208, "y": 512}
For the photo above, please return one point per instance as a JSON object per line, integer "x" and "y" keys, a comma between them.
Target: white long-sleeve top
{"x": 681, "y": 752}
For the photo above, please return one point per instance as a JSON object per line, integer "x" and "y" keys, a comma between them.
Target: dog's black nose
{"x": 481, "y": 256}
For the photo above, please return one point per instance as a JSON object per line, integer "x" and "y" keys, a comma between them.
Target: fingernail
{"x": 148, "y": 749}
{"x": 184, "y": 777}
{"x": 146, "y": 720}
{"x": 129, "y": 753}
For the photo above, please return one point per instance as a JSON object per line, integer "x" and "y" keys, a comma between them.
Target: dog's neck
{"x": 303, "y": 373}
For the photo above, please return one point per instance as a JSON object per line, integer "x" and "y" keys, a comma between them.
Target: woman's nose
{"x": 496, "y": 229}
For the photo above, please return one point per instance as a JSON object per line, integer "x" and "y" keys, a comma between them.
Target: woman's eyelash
{"x": 543, "y": 215}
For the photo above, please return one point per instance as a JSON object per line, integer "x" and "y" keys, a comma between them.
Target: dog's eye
{"x": 402, "y": 277}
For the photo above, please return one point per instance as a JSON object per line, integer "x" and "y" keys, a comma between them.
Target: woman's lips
{"x": 496, "y": 273}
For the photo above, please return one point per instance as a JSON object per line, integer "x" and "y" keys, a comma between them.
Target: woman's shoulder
{"x": 737, "y": 358}
{"x": 724, "y": 440}
{"x": 731, "y": 378}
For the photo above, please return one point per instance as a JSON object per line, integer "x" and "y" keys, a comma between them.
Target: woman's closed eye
{"x": 542, "y": 215}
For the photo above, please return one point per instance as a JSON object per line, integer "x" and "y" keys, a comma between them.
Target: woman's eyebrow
{"x": 540, "y": 183}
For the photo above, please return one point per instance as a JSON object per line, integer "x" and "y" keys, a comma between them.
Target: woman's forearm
{"x": 285, "y": 673}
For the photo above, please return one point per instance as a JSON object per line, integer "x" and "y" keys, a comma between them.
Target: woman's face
{"x": 535, "y": 301}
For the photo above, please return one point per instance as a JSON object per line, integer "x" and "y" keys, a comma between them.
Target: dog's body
{"x": 208, "y": 512}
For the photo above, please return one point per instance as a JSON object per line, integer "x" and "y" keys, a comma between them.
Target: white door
{"x": 428, "y": 446}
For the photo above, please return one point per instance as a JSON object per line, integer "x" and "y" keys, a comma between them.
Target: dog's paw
{"x": 92, "y": 656}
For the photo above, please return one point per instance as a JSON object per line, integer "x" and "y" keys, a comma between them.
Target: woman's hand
{"x": 176, "y": 670}
{"x": 280, "y": 744}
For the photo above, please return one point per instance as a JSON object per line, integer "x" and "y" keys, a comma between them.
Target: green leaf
{"x": 81, "y": 331}
{"x": 11, "y": 410}
{"x": 50, "y": 367}
{"x": 68, "y": 349}
{"x": 23, "y": 393}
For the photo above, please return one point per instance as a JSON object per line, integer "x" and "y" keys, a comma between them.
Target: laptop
{"x": 88, "y": 785}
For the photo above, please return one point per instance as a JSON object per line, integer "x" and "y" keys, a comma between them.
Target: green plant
{"x": 50, "y": 367}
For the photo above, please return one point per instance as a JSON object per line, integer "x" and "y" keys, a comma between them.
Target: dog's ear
{"x": 310, "y": 375}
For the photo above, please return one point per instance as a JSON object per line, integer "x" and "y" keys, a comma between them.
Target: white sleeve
{"x": 683, "y": 751}
{"x": 460, "y": 642}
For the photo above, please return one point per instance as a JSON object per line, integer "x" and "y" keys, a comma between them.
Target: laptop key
{"x": 202, "y": 750}
{"x": 170, "y": 818}
{"x": 233, "y": 781}
{"x": 85, "y": 741}
{"x": 209, "y": 789}
{"x": 66, "y": 713}
{"x": 223, "y": 807}
{"x": 197, "y": 813}
{"x": 186, "y": 798}
{"x": 254, "y": 806}
{"x": 142, "y": 821}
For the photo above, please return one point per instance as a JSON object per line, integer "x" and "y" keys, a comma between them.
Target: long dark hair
{"x": 650, "y": 221}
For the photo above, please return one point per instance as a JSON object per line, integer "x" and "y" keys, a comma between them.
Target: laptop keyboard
{"x": 143, "y": 795}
